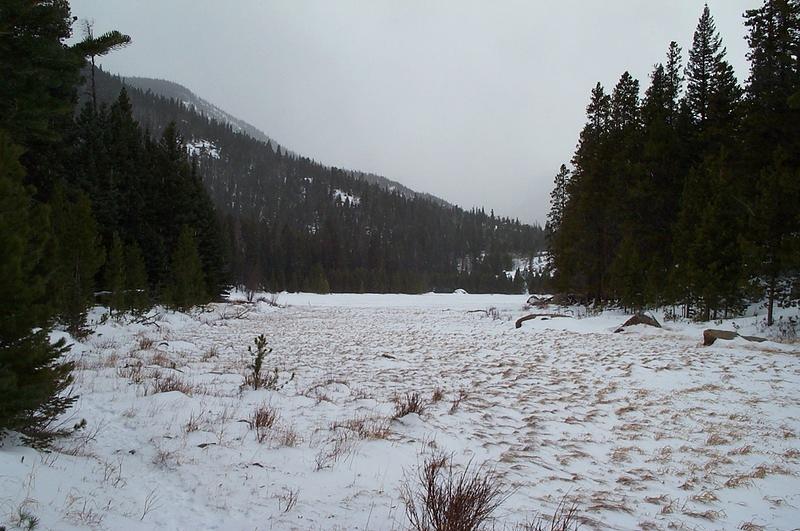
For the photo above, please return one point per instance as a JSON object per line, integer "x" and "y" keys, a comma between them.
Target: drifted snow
{"x": 645, "y": 427}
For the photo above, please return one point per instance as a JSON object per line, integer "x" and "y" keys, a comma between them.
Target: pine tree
{"x": 114, "y": 275}
{"x": 78, "y": 255}
{"x": 93, "y": 47}
{"x": 705, "y": 54}
{"x": 558, "y": 200}
{"x": 137, "y": 298}
{"x": 32, "y": 378}
{"x": 187, "y": 288}
{"x": 37, "y": 93}
{"x": 772, "y": 141}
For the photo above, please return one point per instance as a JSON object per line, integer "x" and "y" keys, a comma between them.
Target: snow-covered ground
{"x": 641, "y": 429}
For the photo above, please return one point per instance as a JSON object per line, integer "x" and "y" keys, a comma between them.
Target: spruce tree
{"x": 704, "y": 55}
{"x": 137, "y": 298}
{"x": 32, "y": 379}
{"x": 772, "y": 142}
{"x": 78, "y": 256}
{"x": 187, "y": 288}
{"x": 558, "y": 201}
{"x": 114, "y": 275}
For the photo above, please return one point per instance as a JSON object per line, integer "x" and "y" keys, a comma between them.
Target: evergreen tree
{"x": 137, "y": 299}
{"x": 93, "y": 47}
{"x": 772, "y": 142}
{"x": 187, "y": 287}
{"x": 78, "y": 256}
{"x": 32, "y": 378}
{"x": 704, "y": 56}
{"x": 37, "y": 92}
{"x": 114, "y": 275}
{"x": 558, "y": 201}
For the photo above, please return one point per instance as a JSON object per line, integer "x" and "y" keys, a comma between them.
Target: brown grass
{"x": 441, "y": 498}
{"x": 262, "y": 420}
{"x": 366, "y": 427}
{"x": 167, "y": 384}
{"x": 410, "y": 403}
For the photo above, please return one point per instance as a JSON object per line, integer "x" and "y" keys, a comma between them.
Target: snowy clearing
{"x": 641, "y": 429}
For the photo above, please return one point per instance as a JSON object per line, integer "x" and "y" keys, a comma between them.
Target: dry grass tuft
{"x": 705, "y": 497}
{"x": 437, "y": 395}
{"x": 410, "y": 403}
{"x": 287, "y": 436}
{"x": 441, "y": 498}
{"x": 167, "y": 384}
{"x": 750, "y": 526}
{"x": 456, "y": 403}
{"x": 709, "y": 515}
{"x": 366, "y": 427}
{"x": 716, "y": 440}
{"x": 334, "y": 449}
{"x": 743, "y": 450}
{"x": 145, "y": 343}
{"x": 564, "y": 519}
{"x": 262, "y": 420}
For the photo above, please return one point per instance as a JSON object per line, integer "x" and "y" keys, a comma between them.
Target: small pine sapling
{"x": 261, "y": 351}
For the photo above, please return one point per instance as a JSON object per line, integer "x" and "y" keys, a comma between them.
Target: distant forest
{"x": 689, "y": 195}
{"x": 290, "y": 223}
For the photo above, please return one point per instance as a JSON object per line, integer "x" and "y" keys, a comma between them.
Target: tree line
{"x": 689, "y": 194}
{"x": 291, "y": 223}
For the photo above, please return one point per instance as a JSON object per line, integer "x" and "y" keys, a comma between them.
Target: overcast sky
{"x": 478, "y": 102}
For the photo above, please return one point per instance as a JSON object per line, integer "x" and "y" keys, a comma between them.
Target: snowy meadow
{"x": 643, "y": 429}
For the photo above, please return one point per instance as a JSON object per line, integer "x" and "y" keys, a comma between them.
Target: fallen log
{"x": 535, "y": 315}
{"x": 710, "y": 335}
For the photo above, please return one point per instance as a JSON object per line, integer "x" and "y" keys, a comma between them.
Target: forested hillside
{"x": 292, "y": 223}
{"x": 690, "y": 194}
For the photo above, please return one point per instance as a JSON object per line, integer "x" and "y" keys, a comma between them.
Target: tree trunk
{"x": 770, "y": 301}
{"x": 94, "y": 90}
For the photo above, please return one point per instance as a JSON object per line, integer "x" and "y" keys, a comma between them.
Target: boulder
{"x": 639, "y": 319}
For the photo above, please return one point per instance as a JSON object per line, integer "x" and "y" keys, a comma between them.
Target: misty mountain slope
{"x": 294, "y": 224}
{"x": 176, "y": 91}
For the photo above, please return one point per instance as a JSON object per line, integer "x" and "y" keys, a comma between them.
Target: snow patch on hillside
{"x": 201, "y": 147}
{"x": 344, "y": 197}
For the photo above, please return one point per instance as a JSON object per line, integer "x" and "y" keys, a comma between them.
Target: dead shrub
{"x": 262, "y": 420}
{"x": 169, "y": 383}
{"x": 133, "y": 372}
{"x": 146, "y": 343}
{"x": 410, "y": 403}
{"x": 337, "y": 447}
{"x": 441, "y": 498}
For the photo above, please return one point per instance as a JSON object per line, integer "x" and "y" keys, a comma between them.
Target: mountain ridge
{"x": 173, "y": 90}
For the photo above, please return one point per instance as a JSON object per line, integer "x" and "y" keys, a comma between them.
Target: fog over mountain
{"x": 476, "y": 103}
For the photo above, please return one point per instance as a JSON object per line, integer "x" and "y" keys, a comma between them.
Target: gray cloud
{"x": 477, "y": 102}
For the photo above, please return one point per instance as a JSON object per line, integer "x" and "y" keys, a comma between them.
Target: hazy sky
{"x": 476, "y": 102}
